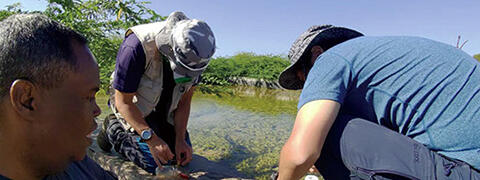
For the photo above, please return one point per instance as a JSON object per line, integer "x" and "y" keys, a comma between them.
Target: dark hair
{"x": 35, "y": 48}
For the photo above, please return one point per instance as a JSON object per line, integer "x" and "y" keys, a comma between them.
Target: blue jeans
{"x": 129, "y": 144}
{"x": 359, "y": 149}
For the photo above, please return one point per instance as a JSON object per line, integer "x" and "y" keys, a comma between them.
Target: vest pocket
{"x": 149, "y": 89}
{"x": 148, "y": 95}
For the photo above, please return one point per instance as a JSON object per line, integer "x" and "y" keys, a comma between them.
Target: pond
{"x": 245, "y": 131}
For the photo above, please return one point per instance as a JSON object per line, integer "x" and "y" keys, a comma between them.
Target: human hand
{"x": 183, "y": 152}
{"x": 160, "y": 151}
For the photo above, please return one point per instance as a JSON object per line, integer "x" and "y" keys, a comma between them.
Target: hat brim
{"x": 288, "y": 78}
{"x": 182, "y": 69}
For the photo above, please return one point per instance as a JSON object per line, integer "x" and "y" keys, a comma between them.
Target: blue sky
{"x": 270, "y": 27}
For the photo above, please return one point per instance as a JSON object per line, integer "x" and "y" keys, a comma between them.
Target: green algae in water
{"x": 261, "y": 100}
{"x": 245, "y": 131}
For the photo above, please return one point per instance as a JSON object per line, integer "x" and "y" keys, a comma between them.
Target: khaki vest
{"x": 150, "y": 87}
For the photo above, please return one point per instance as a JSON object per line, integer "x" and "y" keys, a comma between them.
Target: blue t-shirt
{"x": 3, "y": 177}
{"x": 424, "y": 89}
{"x": 84, "y": 169}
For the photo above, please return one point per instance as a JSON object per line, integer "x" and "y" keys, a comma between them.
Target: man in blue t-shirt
{"x": 381, "y": 107}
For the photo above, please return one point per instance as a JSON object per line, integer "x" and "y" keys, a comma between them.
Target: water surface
{"x": 245, "y": 131}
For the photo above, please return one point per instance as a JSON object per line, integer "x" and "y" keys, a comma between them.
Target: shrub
{"x": 266, "y": 67}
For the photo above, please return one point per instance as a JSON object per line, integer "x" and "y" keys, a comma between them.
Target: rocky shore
{"x": 199, "y": 168}
{"x": 245, "y": 81}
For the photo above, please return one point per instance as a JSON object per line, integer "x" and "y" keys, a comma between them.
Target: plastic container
{"x": 311, "y": 177}
{"x": 170, "y": 172}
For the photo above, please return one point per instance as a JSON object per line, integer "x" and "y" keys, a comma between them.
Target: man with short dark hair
{"x": 381, "y": 108}
{"x": 48, "y": 81}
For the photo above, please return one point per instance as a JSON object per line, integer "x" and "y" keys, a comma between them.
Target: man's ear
{"x": 317, "y": 48}
{"x": 22, "y": 94}
{"x": 316, "y": 51}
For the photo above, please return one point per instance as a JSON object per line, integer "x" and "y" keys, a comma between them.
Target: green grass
{"x": 102, "y": 100}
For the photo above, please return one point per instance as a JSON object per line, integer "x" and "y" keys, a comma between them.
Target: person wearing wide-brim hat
{"x": 381, "y": 107}
{"x": 307, "y": 47}
{"x": 158, "y": 66}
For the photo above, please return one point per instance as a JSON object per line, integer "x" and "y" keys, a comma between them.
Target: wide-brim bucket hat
{"x": 193, "y": 44}
{"x": 188, "y": 44}
{"x": 326, "y": 36}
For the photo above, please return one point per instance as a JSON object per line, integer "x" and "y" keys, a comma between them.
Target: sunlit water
{"x": 245, "y": 131}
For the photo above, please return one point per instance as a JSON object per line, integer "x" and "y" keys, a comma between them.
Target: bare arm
{"x": 305, "y": 143}
{"x": 125, "y": 106}
{"x": 182, "y": 114}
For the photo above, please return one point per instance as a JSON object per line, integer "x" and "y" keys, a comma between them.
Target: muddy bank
{"x": 245, "y": 81}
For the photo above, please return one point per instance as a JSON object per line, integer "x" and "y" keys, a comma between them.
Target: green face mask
{"x": 180, "y": 79}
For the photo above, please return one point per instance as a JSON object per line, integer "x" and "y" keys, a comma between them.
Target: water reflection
{"x": 245, "y": 131}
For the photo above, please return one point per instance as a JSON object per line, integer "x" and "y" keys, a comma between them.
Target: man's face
{"x": 305, "y": 67}
{"x": 67, "y": 113}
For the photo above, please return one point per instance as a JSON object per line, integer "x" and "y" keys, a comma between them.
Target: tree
{"x": 102, "y": 22}
{"x": 11, "y": 9}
